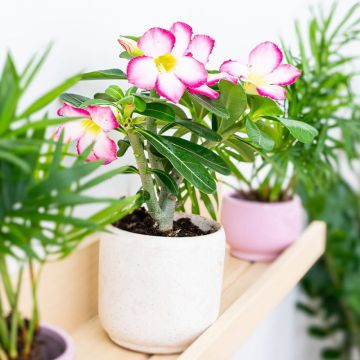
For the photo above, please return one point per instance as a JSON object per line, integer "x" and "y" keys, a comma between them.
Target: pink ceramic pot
{"x": 58, "y": 345}
{"x": 259, "y": 231}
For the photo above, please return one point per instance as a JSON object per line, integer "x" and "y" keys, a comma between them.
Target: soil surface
{"x": 254, "y": 196}
{"x": 44, "y": 346}
{"x": 141, "y": 222}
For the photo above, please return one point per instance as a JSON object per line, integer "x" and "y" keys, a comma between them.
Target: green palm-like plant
{"x": 40, "y": 185}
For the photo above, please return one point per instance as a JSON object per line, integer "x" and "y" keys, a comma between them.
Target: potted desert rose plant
{"x": 40, "y": 184}
{"x": 160, "y": 268}
{"x": 264, "y": 215}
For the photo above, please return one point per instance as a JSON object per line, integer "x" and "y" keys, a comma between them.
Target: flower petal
{"x": 215, "y": 78}
{"x": 204, "y": 90}
{"x": 284, "y": 74}
{"x": 141, "y": 72}
{"x": 274, "y": 92}
{"x": 73, "y": 130}
{"x": 190, "y": 71}
{"x": 201, "y": 47}
{"x": 234, "y": 68}
{"x": 105, "y": 149}
{"x": 183, "y": 33}
{"x": 265, "y": 58}
{"x": 68, "y": 110}
{"x": 103, "y": 116}
{"x": 84, "y": 142}
{"x": 170, "y": 87}
{"x": 156, "y": 42}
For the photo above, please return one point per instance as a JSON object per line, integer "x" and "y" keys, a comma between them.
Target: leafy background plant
{"x": 325, "y": 98}
{"x": 40, "y": 185}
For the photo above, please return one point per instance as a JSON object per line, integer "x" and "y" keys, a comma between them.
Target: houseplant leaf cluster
{"x": 40, "y": 185}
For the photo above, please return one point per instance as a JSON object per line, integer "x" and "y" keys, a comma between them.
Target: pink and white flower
{"x": 264, "y": 75}
{"x": 92, "y": 129}
{"x": 172, "y": 62}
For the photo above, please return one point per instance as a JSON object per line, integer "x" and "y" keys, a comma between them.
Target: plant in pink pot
{"x": 264, "y": 215}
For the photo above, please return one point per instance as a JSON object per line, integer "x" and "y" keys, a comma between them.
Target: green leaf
{"x": 115, "y": 92}
{"x": 110, "y": 74}
{"x": 199, "y": 129}
{"x": 233, "y": 98}
{"x": 259, "y": 137}
{"x": 123, "y": 146}
{"x": 131, "y": 37}
{"x": 300, "y": 130}
{"x": 17, "y": 161}
{"x": 183, "y": 162}
{"x": 139, "y": 103}
{"x": 261, "y": 106}
{"x": 49, "y": 96}
{"x": 208, "y": 205}
{"x": 243, "y": 149}
{"x": 159, "y": 111}
{"x": 73, "y": 99}
{"x": 108, "y": 175}
{"x": 331, "y": 353}
{"x": 214, "y": 106}
{"x": 167, "y": 180}
{"x": 205, "y": 156}
{"x": 125, "y": 55}
{"x": 96, "y": 102}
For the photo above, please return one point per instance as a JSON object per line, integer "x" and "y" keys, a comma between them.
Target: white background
{"x": 84, "y": 34}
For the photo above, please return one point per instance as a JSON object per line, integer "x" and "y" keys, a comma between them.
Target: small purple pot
{"x": 58, "y": 345}
{"x": 259, "y": 231}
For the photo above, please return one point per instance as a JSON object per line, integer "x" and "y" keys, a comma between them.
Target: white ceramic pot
{"x": 157, "y": 294}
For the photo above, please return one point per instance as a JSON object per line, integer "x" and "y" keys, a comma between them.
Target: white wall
{"x": 85, "y": 33}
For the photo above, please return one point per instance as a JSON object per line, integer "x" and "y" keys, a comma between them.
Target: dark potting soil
{"x": 141, "y": 222}
{"x": 254, "y": 196}
{"x": 47, "y": 345}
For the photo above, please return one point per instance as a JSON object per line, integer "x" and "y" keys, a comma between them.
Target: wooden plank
{"x": 93, "y": 343}
{"x": 225, "y": 336}
{"x": 68, "y": 298}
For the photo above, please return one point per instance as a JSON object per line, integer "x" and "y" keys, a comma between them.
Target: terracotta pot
{"x": 57, "y": 344}
{"x": 260, "y": 231}
{"x": 157, "y": 294}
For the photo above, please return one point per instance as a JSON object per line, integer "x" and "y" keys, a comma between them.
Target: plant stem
{"x": 7, "y": 282}
{"x": 34, "y": 322}
{"x": 146, "y": 178}
{"x": 15, "y": 316}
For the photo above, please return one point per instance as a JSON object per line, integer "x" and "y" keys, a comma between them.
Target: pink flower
{"x": 172, "y": 61}
{"x": 264, "y": 75}
{"x": 97, "y": 122}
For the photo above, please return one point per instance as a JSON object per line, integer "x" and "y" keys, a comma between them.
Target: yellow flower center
{"x": 256, "y": 79}
{"x": 90, "y": 127}
{"x": 165, "y": 63}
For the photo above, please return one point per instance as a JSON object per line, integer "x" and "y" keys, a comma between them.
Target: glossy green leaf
{"x": 199, "y": 129}
{"x": 115, "y": 92}
{"x": 261, "y": 106}
{"x": 183, "y": 161}
{"x": 109, "y": 74}
{"x": 159, "y": 111}
{"x": 214, "y": 106}
{"x": 167, "y": 180}
{"x": 233, "y": 98}
{"x": 73, "y": 99}
{"x": 205, "y": 156}
{"x": 259, "y": 137}
{"x": 300, "y": 130}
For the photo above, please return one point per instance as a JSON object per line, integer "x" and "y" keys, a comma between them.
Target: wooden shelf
{"x": 68, "y": 298}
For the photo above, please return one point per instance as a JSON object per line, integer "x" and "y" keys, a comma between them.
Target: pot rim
{"x": 69, "y": 352}
{"x": 230, "y": 197}
{"x": 215, "y": 224}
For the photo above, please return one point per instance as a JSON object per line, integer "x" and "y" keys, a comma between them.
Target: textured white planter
{"x": 157, "y": 294}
